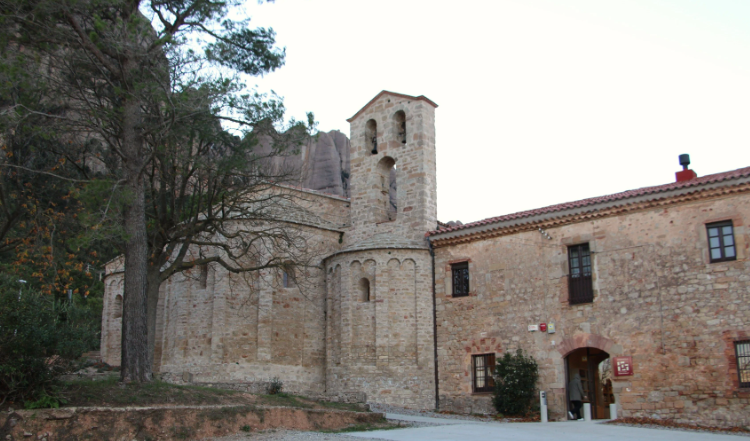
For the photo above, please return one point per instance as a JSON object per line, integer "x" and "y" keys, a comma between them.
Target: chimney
{"x": 686, "y": 174}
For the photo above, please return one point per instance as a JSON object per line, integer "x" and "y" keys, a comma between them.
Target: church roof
{"x": 384, "y": 241}
{"x": 399, "y": 95}
{"x": 592, "y": 204}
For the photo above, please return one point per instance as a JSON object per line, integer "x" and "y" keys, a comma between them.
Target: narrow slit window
{"x": 118, "y": 306}
{"x": 203, "y": 278}
{"x": 364, "y": 290}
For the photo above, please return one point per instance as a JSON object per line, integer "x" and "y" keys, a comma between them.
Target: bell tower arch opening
{"x": 399, "y": 118}
{"x": 371, "y": 136}
{"x": 387, "y": 207}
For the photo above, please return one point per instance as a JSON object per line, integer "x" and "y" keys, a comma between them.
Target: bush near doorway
{"x": 515, "y": 384}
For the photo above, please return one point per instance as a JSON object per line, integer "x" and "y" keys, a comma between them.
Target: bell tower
{"x": 393, "y": 182}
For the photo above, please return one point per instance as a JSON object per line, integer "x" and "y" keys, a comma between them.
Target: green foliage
{"x": 275, "y": 386}
{"x": 246, "y": 428}
{"x": 45, "y": 402}
{"x": 515, "y": 384}
{"x": 40, "y": 339}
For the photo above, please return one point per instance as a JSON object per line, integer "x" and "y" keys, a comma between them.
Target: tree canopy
{"x": 130, "y": 97}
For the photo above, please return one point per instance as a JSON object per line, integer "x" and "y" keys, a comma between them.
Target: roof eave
{"x": 399, "y": 95}
{"x": 543, "y": 217}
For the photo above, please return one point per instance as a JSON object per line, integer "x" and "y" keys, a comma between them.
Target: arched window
{"x": 400, "y": 119}
{"x": 364, "y": 290}
{"x": 118, "y": 306}
{"x": 387, "y": 205}
{"x": 371, "y": 135}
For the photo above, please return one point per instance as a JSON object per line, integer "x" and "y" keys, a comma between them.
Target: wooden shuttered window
{"x": 580, "y": 288}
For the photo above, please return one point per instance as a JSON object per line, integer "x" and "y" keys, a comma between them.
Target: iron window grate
{"x": 460, "y": 279}
{"x": 742, "y": 351}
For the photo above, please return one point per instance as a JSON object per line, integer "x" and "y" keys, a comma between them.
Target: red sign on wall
{"x": 622, "y": 366}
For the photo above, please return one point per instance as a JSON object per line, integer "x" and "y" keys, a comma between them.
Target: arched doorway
{"x": 595, "y": 369}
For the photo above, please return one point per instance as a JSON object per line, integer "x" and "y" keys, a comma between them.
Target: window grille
{"x": 460, "y": 279}
{"x": 580, "y": 286}
{"x": 742, "y": 351}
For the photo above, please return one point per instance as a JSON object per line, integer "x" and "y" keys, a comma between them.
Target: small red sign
{"x": 543, "y": 327}
{"x": 623, "y": 366}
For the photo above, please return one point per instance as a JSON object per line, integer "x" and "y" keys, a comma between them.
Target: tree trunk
{"x": 136, "y": 359}
{"x": 136, "y": 362}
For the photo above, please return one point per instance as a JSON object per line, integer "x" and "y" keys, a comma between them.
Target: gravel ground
{"x": 287, "y": 435}
{"x": 683, "y": 429}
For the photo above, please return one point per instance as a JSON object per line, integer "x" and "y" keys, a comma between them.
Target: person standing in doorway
{"x": 575, "y": 391}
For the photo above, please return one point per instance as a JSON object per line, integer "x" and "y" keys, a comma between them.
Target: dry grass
{"x": 112, "y": 393}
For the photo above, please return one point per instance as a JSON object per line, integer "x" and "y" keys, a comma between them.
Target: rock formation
{"x": 321, "y": 163}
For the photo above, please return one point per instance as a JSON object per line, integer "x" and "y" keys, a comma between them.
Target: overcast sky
{"x": 540, "y": 101}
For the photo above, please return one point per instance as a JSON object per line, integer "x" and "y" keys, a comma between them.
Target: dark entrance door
{"x": 594, "y": 368}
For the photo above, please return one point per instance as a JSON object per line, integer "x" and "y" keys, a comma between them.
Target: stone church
{"x": 644, "y": 293}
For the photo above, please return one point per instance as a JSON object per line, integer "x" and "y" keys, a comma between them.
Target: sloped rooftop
{"x": 623, "y": 196}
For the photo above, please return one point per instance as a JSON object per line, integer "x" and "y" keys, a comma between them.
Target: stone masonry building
{"x": 643, "y": 293}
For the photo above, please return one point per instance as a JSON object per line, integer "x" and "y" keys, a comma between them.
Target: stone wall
{"x": 248, "y": 327}
{"x": 111, "y": 346}
{"x": 245, "y": 327}
{"x": 261, "y": 387}
{"x": 656, "y": 298}
{"x": 381, "y": 345}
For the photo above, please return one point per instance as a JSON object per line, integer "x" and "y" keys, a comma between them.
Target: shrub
{"x": 515, "y": 384}
{"x": 40, "y": 339}
{"x": 275, "y": 386}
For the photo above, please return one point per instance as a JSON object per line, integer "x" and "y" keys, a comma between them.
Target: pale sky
{"x": 540, "y": 101}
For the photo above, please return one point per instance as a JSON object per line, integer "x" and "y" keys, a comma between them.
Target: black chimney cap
{"x": 684, "y": 160}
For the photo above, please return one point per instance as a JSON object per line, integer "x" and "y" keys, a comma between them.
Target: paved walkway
{"x": 462, "y": 430}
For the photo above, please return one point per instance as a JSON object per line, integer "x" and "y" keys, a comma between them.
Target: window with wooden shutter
{"x": 580, "y": 288}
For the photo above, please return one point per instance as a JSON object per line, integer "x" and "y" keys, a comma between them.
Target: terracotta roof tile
{"x": 718, "y": 177}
